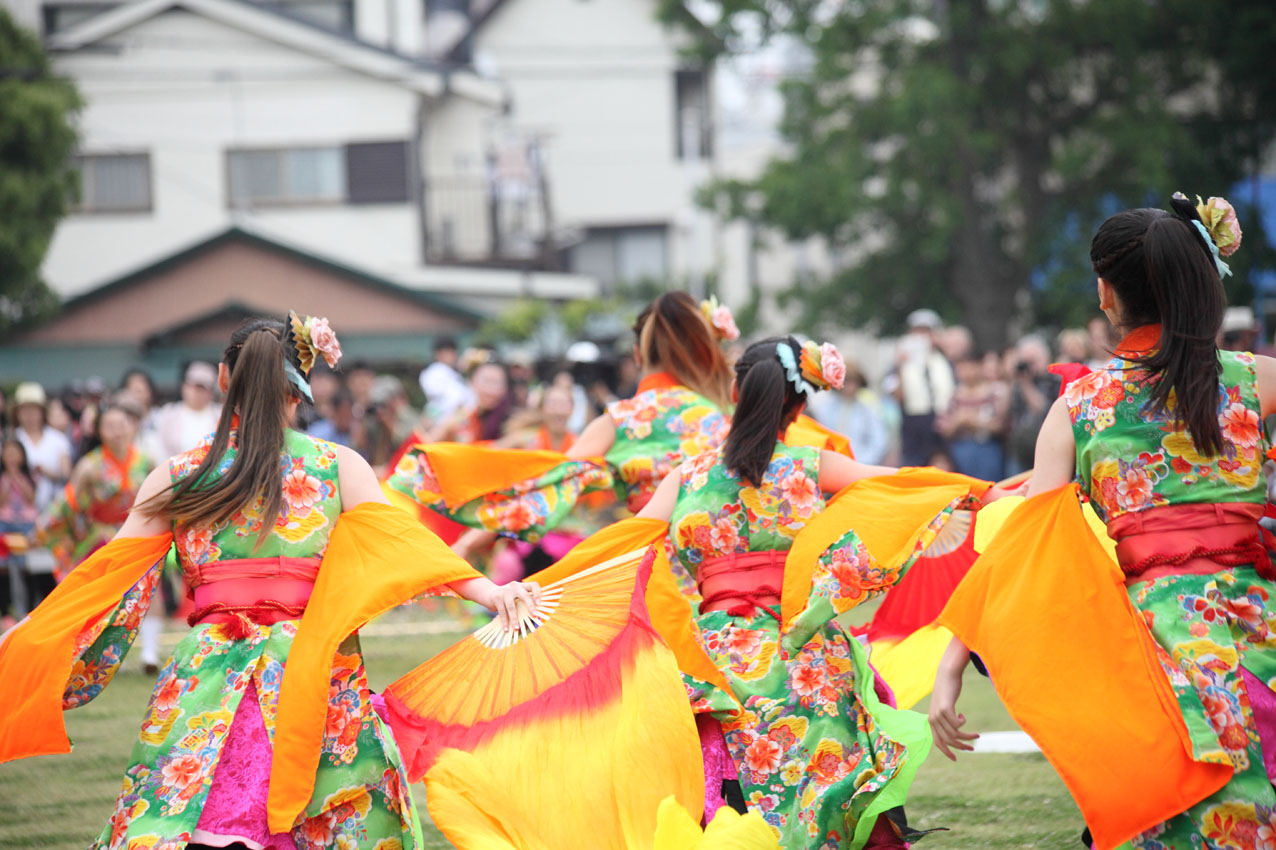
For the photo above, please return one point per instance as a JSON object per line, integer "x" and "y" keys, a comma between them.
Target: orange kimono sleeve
{"x": 378, "y": 557}
{"x": 1046, "y": 609}
{"x": 36, "y": 656}
{"x": 889, "y": 514}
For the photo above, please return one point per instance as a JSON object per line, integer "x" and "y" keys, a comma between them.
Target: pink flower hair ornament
{"x": 314, "y": 338}
{"x": 1218, "y": 226}
{"x": 720, "y": 320}
{"x": 818, "y": 367}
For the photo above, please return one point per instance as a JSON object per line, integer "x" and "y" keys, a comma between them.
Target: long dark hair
{"x": 674, "y": 336}
{"x": 258, "y": 393}
{"x": 1164, "y": 273}
{"x": 768, "y": 400}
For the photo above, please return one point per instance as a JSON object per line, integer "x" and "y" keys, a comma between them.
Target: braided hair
{"x": 1164, "y": 273}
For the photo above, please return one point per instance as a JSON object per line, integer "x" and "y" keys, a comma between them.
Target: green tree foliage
{"x": 36, "y": 180}
{"x": 960, "y": 153}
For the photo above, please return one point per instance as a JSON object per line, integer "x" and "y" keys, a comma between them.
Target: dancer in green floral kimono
{"x": 261, "y": 731}
{"x": 1167, "y": 442}
{"x": 816, "y": 751}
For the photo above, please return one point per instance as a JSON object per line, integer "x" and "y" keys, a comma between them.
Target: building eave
{"x": 346, "y": 52}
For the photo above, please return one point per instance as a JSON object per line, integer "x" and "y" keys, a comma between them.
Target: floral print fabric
{"x": 528, "y": 510}
{"x": 656, "y": 430}
{"x": 310, "y": 507}
{"x": 811, "y": 744}
{"x": 91, "y": 511}
{"x": 1206, "y": 627}
{"x": 1128, "y": 461}
{"x": 360, "y": 799}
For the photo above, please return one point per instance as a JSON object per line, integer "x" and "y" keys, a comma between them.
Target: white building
{"x": 622, "y": 125}
{"x": 201, "y": 114}
{"x": 560, "y": 136}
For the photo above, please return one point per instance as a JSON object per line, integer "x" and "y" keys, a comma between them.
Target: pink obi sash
{"x": 245, "y": 591}
{"x": 742, "y": 582}
{"x": 1196, "y": 539}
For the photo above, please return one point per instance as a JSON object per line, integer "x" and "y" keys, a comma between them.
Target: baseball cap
{"x": 925, "y": 318}
{"x": 201, "y": 374}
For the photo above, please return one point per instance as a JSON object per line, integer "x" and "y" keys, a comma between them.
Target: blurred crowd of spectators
{"x": 946, "y": 403}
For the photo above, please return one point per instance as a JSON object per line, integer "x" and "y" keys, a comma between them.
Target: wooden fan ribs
{"x": 577, "y": 615}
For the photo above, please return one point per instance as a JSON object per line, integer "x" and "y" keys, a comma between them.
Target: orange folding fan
{"x": 565, "y": 733}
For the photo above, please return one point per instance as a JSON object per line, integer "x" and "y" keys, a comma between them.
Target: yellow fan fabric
{"x": 569, "y": 738}
{"x": 1046, "y": 609}
{"x": 378, "y": 557}
{"x": 909, "y": 665}
{"x": 729, "y": 830}
{"x": 36, "y": 656}
{"x": 666, "y": 606}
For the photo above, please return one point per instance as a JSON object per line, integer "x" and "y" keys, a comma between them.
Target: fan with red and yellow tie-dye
{"x": 583, "y": 692}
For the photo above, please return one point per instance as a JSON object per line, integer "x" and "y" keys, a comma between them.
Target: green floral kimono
{"x": 818, "y": 754}
{"x": 1207, "y": 627}
{"x": 93, "y": 506}
{"x": 360, "y": 798}
{"x": 655, "y": 431}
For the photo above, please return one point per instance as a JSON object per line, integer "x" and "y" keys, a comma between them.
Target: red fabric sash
{"x": 742, "y": 582}
{"x": 1197, "y": 538}
{"x": 241, "y": 592}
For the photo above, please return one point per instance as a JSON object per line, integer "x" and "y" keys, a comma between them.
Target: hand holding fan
{"x": 580, "y": 706}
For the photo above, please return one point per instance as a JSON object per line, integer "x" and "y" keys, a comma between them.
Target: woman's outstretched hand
{"x": 945, "y": 722}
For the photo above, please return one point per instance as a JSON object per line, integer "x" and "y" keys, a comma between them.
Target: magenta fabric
{"x": 718, "y": 766}
{"x": 1263, "y": 703}
{"x": 236, "y": 804}
{"x": 881, "y": 689}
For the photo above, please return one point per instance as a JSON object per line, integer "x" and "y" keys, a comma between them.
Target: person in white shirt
{"x": 924, "y": 384}
{"x": 48, "y": 449}
{"x": 182, "y": 424}
{"x": 49, "y": 458}
{"x": 446, "y": 391}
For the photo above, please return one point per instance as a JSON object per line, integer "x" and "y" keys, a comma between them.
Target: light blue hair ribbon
{"x": 295, "y": 378}
{"x": 1223, "y": 270}
{"x": 794, "y": 374}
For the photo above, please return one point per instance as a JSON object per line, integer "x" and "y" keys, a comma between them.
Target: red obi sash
{"x": 742, "y": 582}
{"x": 1195, "y": 539}
{"x": 241, "y": 592}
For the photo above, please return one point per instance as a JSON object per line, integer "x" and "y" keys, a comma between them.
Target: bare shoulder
{"x": 356, "y": 480}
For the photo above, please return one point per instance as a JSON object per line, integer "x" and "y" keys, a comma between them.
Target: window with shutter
{"x": 377, "y": 172}
{"x": 286, "y": 176}
{"x": 114, "y": 183}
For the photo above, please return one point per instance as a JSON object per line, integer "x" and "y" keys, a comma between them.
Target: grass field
{"x": 987, "y": 801}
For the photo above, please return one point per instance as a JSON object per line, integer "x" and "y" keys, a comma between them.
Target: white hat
{"x": 201, "y": 374}
{"x": 1239, "y": 319}
{"x": 29, "y": 392}
{"x": 925, "y": 318}
{"x": 583, "y": 352}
